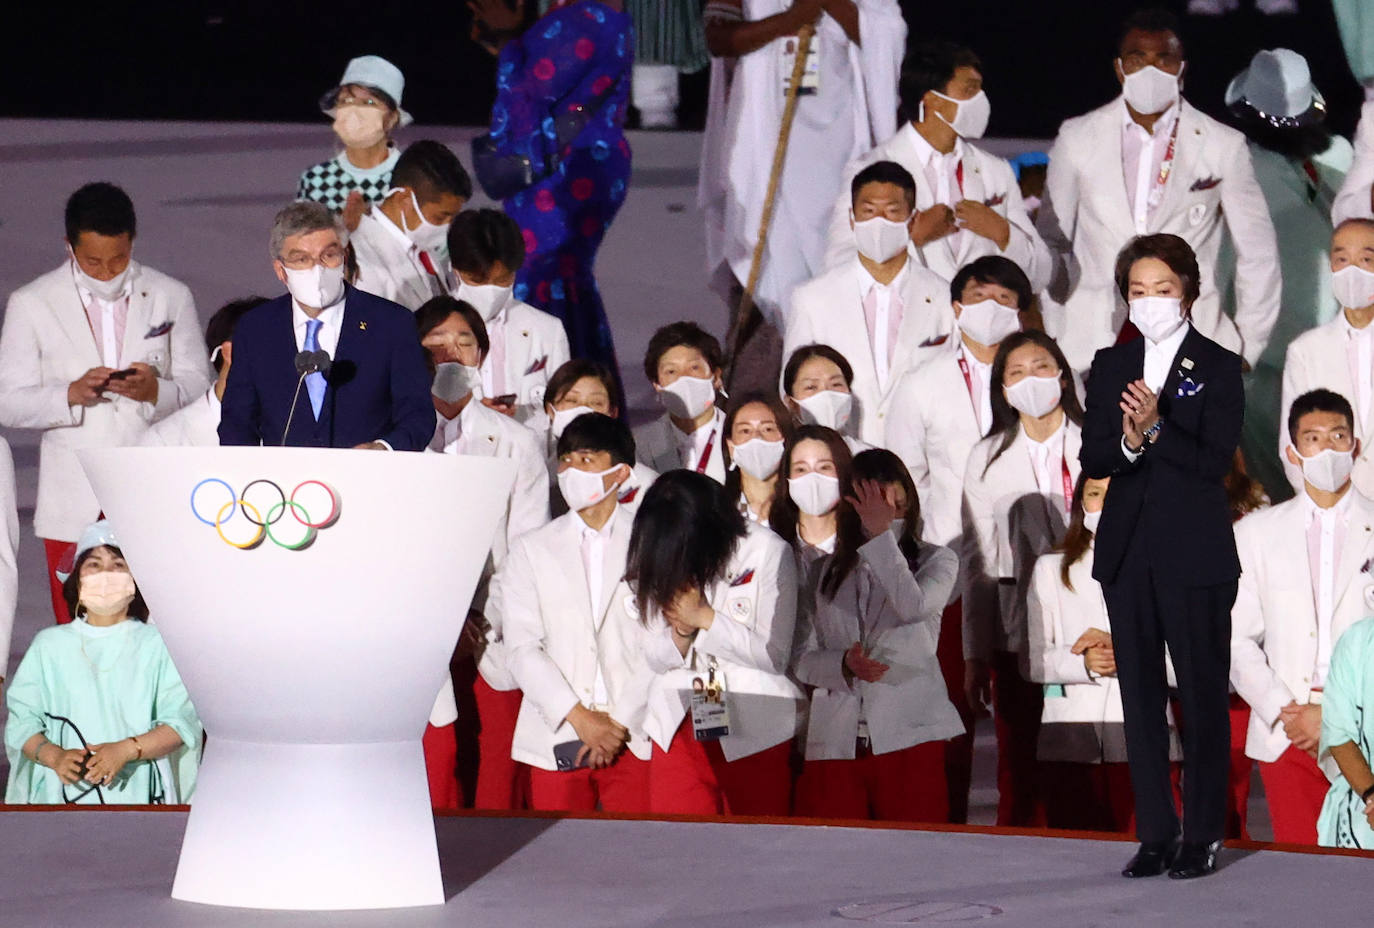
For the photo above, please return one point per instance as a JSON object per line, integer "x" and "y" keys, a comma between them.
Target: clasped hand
{"x": 859, "y": 664}
{"x": 603, "y": 738}
{"x": 1303, "y": 726}
{"x": 1139, "y": 412}
{"x": 1095, "y": 645}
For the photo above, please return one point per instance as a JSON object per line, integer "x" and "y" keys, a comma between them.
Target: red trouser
{"x": 441, "y": 764}
{"x": 1088, "y": 797}
{"x": 57, "y": 552}
{"x": 621, "y": 787}
{"x": 1016, "y": 707}
{"x": 694, "y": 778}
{"x": 958, "y": 751}
{"x": 502, "y": 783}
{"x": 1295, "y": 788}
{"x": 1241, "y": 766}
{"x": 900, "y": 786}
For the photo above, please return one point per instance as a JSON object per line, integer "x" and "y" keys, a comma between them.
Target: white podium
{"x": 312, "y": 647}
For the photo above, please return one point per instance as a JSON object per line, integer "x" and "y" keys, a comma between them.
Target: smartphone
{"x": 565, "y": 755}
{"x": 505, "y": 399}
{"x": 120, "y": 375}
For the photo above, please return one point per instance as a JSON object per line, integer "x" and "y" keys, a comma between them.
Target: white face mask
{"x": 360, "y": 126}
{"x": 815, "y": 494}
{"x": 688, "y": 397}
{"x": 453, "y": 381}
{"x": 758, "y": 458}
{"x": 428, "y": 236}
{"x": 582, "y": 489}
{"x": 107, "y": 290}
{"x": 108, "y": 592}
{"x": 987, "y": 322}
{"x": 971, "y": 118}
{"x": 561, "y": 418}
{"x": 881, "y": 239}
{"x": 1150, "y": 90}
{"x": 316, "y": 286}
{"x": 1328, "y": 469}
{"x": 1091, "y": 519}
{"x": 1353, "y": 287}
{"x": 1035, "y": 396}
{"x": 487, "y": 299}
{"x": 829, "y": 408}
{"x": 1157, "y": 317}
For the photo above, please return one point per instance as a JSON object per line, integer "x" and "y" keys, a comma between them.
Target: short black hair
{"x": 435, "y": 310}
{"x": 570, "y": 372}
{"x": 592, "y": 431}
{"x": 993, "y": 269}
{"x": 688, "y": 334}
{"x": 1174, "y": 252}
{"x": 1149, "y": 19}
{"x": 102, "y": 208}
{"x": 930, "y": 65}
{"x": 71, "y": 587}
{"x": 1319, "y": 400}
{"x": 806, "y": 353}
{"x": 220, "y": 328}
{"x": 884, "y": 172}
{"x": 478, "y": 238}
{"x": 431, "y": 169}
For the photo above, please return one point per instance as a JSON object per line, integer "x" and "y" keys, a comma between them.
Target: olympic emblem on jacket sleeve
{"x": 259, "y": 512}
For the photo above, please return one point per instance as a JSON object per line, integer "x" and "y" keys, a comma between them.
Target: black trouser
{"x": 1149, "y": 610}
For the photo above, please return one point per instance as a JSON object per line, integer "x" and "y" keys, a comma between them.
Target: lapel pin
{"x": 362, "y": 326}
{"x": 525, "y": 333}
{"x": 1187, "y": 364}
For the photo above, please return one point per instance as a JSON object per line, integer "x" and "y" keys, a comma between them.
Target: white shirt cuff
{"x": 1131, "y": 456}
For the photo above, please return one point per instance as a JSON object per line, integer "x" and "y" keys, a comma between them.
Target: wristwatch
{"x": 1364, "y": 797}
{"x": 1152, "y": 433}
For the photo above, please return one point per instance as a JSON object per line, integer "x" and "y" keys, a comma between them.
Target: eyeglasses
{"x": 157, "y": 793}
{"x": 331, "y": 257}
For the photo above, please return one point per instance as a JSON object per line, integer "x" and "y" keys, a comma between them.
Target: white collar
{"x": 1164, "y": 123}
{"x": 605, "y": 530}
{"x": 926, "y": 151}
{"x": 88, "y": 295}
{"x": 397, "y": 234}
{"x": 1168, "y": 345}
{"x": 393, "y": 154}
{"x": 1350, "y": 330}
{"x": 867, "y": 281}
{"x": 1340, "y": 511}
{"x": 328, "y": 316}
{"x": 1056, "y": 437}
{"x": 967, "y": 355}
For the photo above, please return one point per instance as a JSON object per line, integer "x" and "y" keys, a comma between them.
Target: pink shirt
{"x": 883, "y": 316}
{"x": 107, "y": 320}
{"x": 1326, "y": 530}
{"x": 1142, "y": 157}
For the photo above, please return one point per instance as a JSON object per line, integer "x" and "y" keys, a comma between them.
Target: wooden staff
{"x": 741, "y": 327}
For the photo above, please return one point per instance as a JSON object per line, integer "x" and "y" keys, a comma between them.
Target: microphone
{"x": 307, "y": 363}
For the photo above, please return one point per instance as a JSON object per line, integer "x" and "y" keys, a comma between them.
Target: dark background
{"x": 1044, "y": 59}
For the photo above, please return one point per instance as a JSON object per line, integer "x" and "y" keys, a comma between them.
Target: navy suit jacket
{"x": 378, "y": 387}
{"x": 1174, "y": 495}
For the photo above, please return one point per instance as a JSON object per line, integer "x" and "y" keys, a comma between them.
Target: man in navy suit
{"x": 375, "y": 393}
{"x": 1163, "y": 420}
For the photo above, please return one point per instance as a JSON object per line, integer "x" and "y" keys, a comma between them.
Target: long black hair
{"x": 685, "y": 532}
{"x": 733, "y": 481}
{"x": 884, "y": 467}
{"x": 783, "y": 514}
{"x": 1006, "y": 421}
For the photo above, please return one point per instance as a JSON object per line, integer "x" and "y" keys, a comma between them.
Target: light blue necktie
{"x": 314, "y": 383}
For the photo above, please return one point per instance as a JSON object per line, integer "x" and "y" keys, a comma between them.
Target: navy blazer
{"x": 1174, "y": 494}
{"x": 378, "y": 387}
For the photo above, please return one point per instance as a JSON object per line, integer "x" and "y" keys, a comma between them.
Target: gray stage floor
{"x": 103, "y": 868}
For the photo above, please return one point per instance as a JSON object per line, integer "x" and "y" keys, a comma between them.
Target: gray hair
{"x": 301, "y": 218}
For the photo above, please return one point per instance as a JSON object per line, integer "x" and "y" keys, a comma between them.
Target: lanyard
{"x": 968, "y": 383}
{"x": 959, "y": 176}
{"x": 1166, "y": 167}
{"x": 706, "y": 454}
{"x": 1068, "y": 484}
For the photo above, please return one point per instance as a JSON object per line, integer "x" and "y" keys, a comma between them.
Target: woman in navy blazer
{"x": 1163, "y": 420}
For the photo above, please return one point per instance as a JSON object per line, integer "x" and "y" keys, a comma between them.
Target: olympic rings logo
{"x": 244, "y": 519}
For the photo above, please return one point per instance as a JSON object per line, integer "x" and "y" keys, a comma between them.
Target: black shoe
{"x": 1195, "y": 860}
{"x": 1153, "y": 858}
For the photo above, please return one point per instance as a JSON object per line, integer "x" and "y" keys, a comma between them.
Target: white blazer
{"x": 9, "y": 555}
{"x": 46, "y": 343}
{"x": 751, "y": 640}
{"x": 987, "y": 178}
{"x": 932, "y": 427}
{"x": 490, "y": 434}
{"x": 1317, "y": 359}
{"x": 829, "y": 310}
{"x": 1353, "y": 200}
{"x": 553, "y": 637}
{"x": 1211, "y": 192}
{"x": 536, "y": 346}
{"x": 1274, "y": 620}
{"x": 1007, "y": 526}
{"x": 194, "y": 425}
{"x": 897, "y": 616}
{"x": 389, "y": 265}
{"x": 657, "y": 449}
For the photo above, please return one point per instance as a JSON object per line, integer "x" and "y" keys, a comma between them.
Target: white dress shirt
{"x": 107, "y": 318}
{"x": 942, "y": 172}
{"x": 1142, "y": 157}
{"x": 1159, "y": 358}
{"x": 886, "y": 320}
{"x": 594, "y": 543}
{"x": 448, "y": 431}
{"x": 411, "y": 250}
{"x": 1326, "y": 533}
{"x": 1047, "y": 461}
{"x": 331, "y": 324}
{"x": 692, "y": 445}
{"x": 1360, "y": 356}
{"x": 980, "y": 387}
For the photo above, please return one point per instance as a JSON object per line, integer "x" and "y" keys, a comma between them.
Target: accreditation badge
{"x": 811, "y": 76}
{"x": 710, "y": 712}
